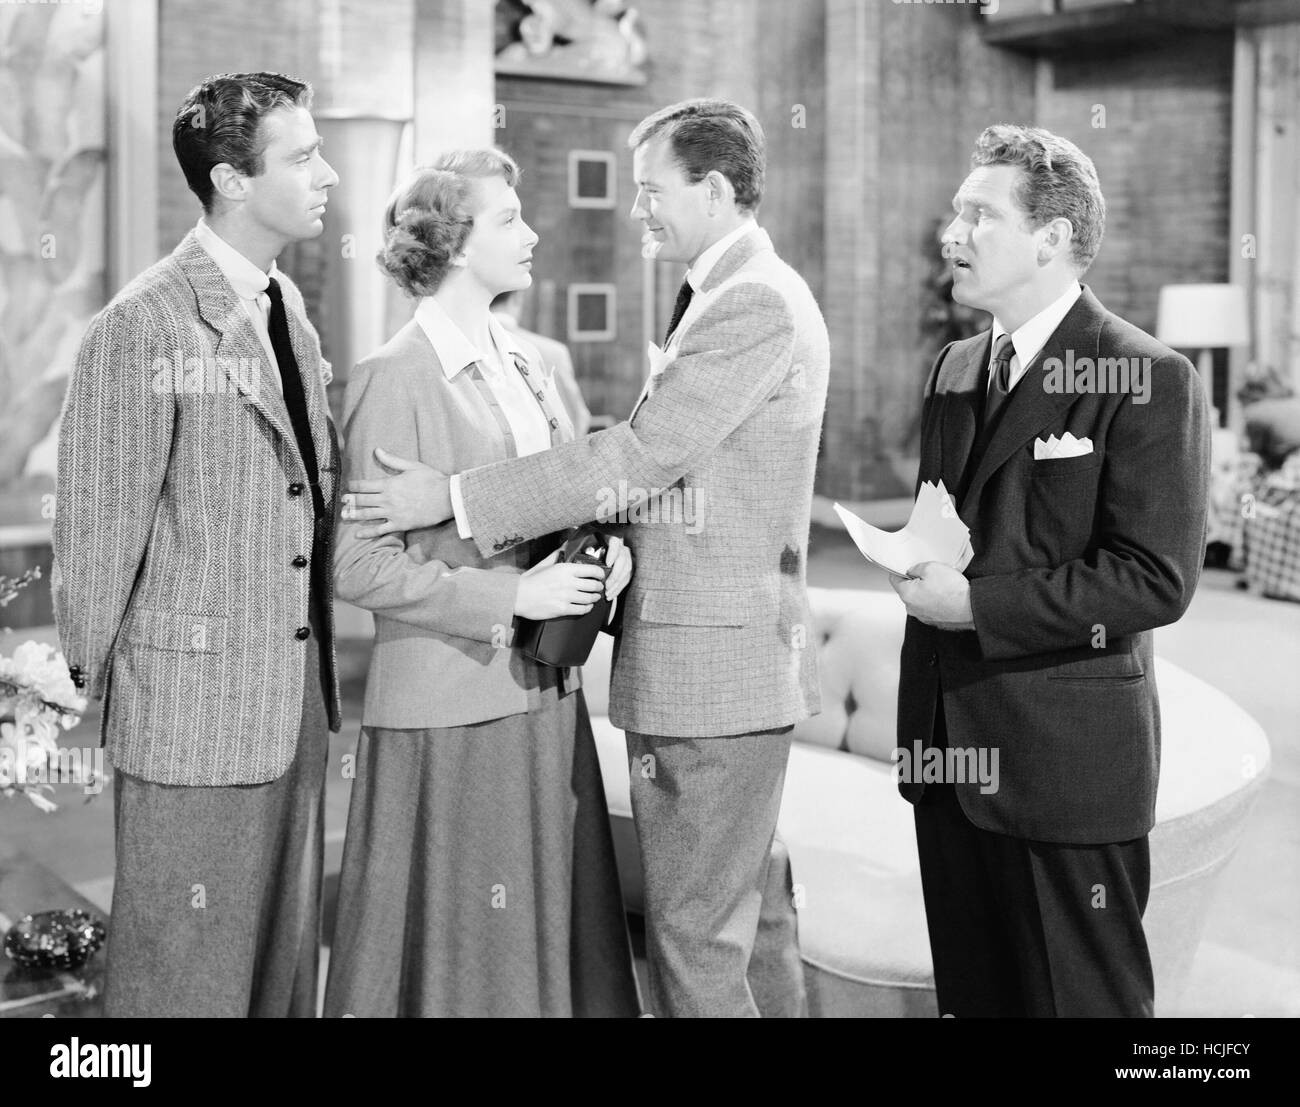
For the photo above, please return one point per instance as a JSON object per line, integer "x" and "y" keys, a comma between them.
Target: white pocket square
{"x": 1065, "y": 446}
{"x": 659, "y": 359}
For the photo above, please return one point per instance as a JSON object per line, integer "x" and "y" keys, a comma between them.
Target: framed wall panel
{"x": 593, "y": 309}
{"x": 592, "y": 179}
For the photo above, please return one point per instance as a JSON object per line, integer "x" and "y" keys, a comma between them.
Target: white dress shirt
{"x": 457, "y": 353}
{"x": 1029, "y": 338}
{"x": 250, "y": 285}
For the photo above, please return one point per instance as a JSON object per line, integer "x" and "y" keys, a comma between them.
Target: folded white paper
{"x": 934, "y": 532}
{"x": 1066, "y": 446}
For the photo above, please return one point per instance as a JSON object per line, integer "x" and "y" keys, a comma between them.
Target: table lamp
{"x": 1203, "y": 317}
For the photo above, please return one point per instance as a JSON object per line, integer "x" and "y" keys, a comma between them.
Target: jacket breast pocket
{"x": 1061, "y": 505}
{"x": 705, "y": 608}
{"x": 1057, "y": 468}
{"x": 177, "y": 631}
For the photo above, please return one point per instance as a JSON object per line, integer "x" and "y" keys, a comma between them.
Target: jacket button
{"x": 295, "y": 489}
{"x": 299, "y": 562}
{"x": 933, "y": 660}
{"x": 302, "y": 633}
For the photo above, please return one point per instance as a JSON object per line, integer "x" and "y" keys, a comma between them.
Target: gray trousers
{"x": 217, "y": 893}
{"x": 721, "y": 930}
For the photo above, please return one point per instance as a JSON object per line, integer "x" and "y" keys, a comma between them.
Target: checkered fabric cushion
{"x": 1271, "y": 533}
{"x": 1232, "y": 487}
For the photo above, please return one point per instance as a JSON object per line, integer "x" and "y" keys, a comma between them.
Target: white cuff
{"x": 458, "y": 507}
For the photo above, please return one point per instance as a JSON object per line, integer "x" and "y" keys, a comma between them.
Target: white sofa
{"x": 850, "y": 838}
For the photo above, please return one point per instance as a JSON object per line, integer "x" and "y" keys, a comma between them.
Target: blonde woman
{"x": 478, "y": 874}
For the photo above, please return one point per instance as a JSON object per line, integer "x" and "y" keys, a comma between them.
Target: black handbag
{"x": 567, "y": 639}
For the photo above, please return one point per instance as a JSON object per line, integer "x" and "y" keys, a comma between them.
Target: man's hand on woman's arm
{"x": 417, "y": 496}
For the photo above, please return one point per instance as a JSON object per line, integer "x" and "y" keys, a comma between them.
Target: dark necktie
{"x": 999, "y": 389}
{"x": 294, "y": 397}
{"x": 318, "y": 613}
{"x": 684, "y": 295}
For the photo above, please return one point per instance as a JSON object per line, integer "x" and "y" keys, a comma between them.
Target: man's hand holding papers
{"x": 924, "y": 560}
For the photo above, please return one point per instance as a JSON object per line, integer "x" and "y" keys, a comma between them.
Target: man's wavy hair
{"x": 429, "y": 217}
{"x": 708, "y": 134}
{"x": 220, "y": 121}
{"x": 1059, "y": 182}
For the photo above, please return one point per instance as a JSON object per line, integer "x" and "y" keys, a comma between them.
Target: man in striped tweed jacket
{"x": 713, "y": 475}
{"x": 196, "y": 495}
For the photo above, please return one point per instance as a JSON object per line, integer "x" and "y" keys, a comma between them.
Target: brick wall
{"x": 765, "y": 54}
{"x": 908, "y": 89}
{"x": 892, "y": 97}
{"x": 1162, "y": 157}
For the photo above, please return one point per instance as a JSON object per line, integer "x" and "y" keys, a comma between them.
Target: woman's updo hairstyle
{"x": 429, "y": 217}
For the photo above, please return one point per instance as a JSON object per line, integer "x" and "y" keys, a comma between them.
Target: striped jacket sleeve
{"x": 114, "y": 445}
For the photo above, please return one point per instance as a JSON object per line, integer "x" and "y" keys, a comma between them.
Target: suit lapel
{"x": 727, "y": 266}
{"x": 1031, "y": 407}
{"x": 963, "y": 404}
{"x": 220, "y": 309}
{"x": 313, "y": 385}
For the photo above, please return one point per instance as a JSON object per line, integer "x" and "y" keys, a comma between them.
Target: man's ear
{"x": 720, "y": 190}
{"x": 1055, "y": 238}
{"x": 229, "y": 182}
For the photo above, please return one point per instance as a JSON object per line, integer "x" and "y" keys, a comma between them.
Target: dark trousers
{"x": 217, "y": 893}
{"x": 1021, "y": 928}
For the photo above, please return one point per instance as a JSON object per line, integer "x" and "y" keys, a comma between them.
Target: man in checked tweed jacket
{"x": 713, "y": 665}
{"x": 196, "y": 497}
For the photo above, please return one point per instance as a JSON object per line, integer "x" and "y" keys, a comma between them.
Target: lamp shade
{"x": 1196, "y": 316}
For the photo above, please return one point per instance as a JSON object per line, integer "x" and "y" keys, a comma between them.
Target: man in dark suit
{"x": 1076, "y": 448}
